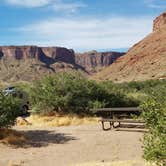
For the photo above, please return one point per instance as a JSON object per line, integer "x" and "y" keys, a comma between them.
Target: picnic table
{"x": 118, "y": 115}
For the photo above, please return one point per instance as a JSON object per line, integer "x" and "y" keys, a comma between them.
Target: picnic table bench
{"x": 118, "y": 115}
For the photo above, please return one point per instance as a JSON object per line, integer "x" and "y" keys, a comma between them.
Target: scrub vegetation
{"x": 67, "y": 94}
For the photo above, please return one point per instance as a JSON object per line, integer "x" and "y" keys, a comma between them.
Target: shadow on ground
{"x": 42, "y": 138}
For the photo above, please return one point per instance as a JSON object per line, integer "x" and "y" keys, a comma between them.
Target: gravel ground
{"x": 65, "y": 146}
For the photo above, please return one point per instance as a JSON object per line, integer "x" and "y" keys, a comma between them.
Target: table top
{"x": 120, "y": 109}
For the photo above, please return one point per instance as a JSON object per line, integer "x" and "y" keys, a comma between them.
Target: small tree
{"x": 71, "y": 92}
{"x": 9, "y": 110}
{"x": 65, "y": 92}
{"x": 154, "y": 115}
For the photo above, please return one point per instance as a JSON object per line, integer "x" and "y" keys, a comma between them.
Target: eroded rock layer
{"x": 145, "y": 60}
{"x": 31, "y": 62}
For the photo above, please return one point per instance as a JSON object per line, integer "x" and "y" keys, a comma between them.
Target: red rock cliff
{"x": 160, "y": 22}
{"x": 46, "y": 54}
{"x": 145, "y": 60}
{"x": 96, "y": 60}
{"x": 50, "y": 55}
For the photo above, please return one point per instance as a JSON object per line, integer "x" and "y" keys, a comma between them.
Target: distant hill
{"x": 27, "y": 63}
{"x": 94, "y": 61}
{"x": 145, "y": 60}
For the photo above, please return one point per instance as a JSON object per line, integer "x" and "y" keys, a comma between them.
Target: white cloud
{"x": 69, "y": 7}
{"x": 158, "y": 4}
{"x": 89, "y": 33}
{"x": 56, "y": 5}
{"x": 28, "y": 3}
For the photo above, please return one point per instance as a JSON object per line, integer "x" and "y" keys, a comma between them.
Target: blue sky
{"x": 79, "y": 24}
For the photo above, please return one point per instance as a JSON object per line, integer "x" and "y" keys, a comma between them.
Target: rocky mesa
{"x": 94, "y": 61}
{"x": 44, "y": 54}
{"x": 145, "y": 60}
{"x": 28, "y": 63}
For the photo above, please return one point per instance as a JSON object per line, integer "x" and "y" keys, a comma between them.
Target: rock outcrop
{"x": 145, "y": 60}
{"x": 94, "y": 61}
{"x": 31, "y": 62}
{"x": 160, "y": 22}
{"x": 28, "y": 63}
{"x": 45, "y": 54}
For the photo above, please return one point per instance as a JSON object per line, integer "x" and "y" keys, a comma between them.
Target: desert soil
{"x": 65, "y": 146}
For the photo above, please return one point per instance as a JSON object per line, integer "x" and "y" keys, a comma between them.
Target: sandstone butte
{"x": 27, "y": 63}
{"x": 145, "y": 60}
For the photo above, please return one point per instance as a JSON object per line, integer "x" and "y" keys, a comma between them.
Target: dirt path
{"x": 65, "y": 146}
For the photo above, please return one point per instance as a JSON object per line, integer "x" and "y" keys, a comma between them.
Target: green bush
{"x": 143, "y": 86}
{"x": 70, "y": 92}
{"x": 21, "y": 86}
{"x": 154, "y": 115}
{"x": 137, "y": 91}
{"x": 64, "y": 93}
{"x": 9, "y": 110}
{"x": 120, "y": 97}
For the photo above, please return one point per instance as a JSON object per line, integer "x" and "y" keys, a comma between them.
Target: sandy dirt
{"x": 65, "y": 146}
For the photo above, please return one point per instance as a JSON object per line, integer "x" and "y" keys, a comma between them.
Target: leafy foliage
{"x": 9, "y": 110}
{"x": 154, "y": 115}
{"x": 70, "y": 92}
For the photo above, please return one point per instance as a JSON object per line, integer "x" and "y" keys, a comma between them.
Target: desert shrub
{"x": 137, "y": 90}
{"x": 70, "y": 92}
{"x": 23, "y": 86}
{"x": 154, "y": 114}
{"x": 9, "y": 110}
{"x": 143, "y": 86}
{"x": 120, "y": 97}
{"x": 64, "y": 93}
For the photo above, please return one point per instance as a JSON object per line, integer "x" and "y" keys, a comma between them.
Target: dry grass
{"x": 11, "y": 163}
{"x": 57, "y": 121}
{"x": 18, "y": 163}
{"x": 11, "y": 137}
{"x": 117, "y": 163}
{"x": 22, "y": 122}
